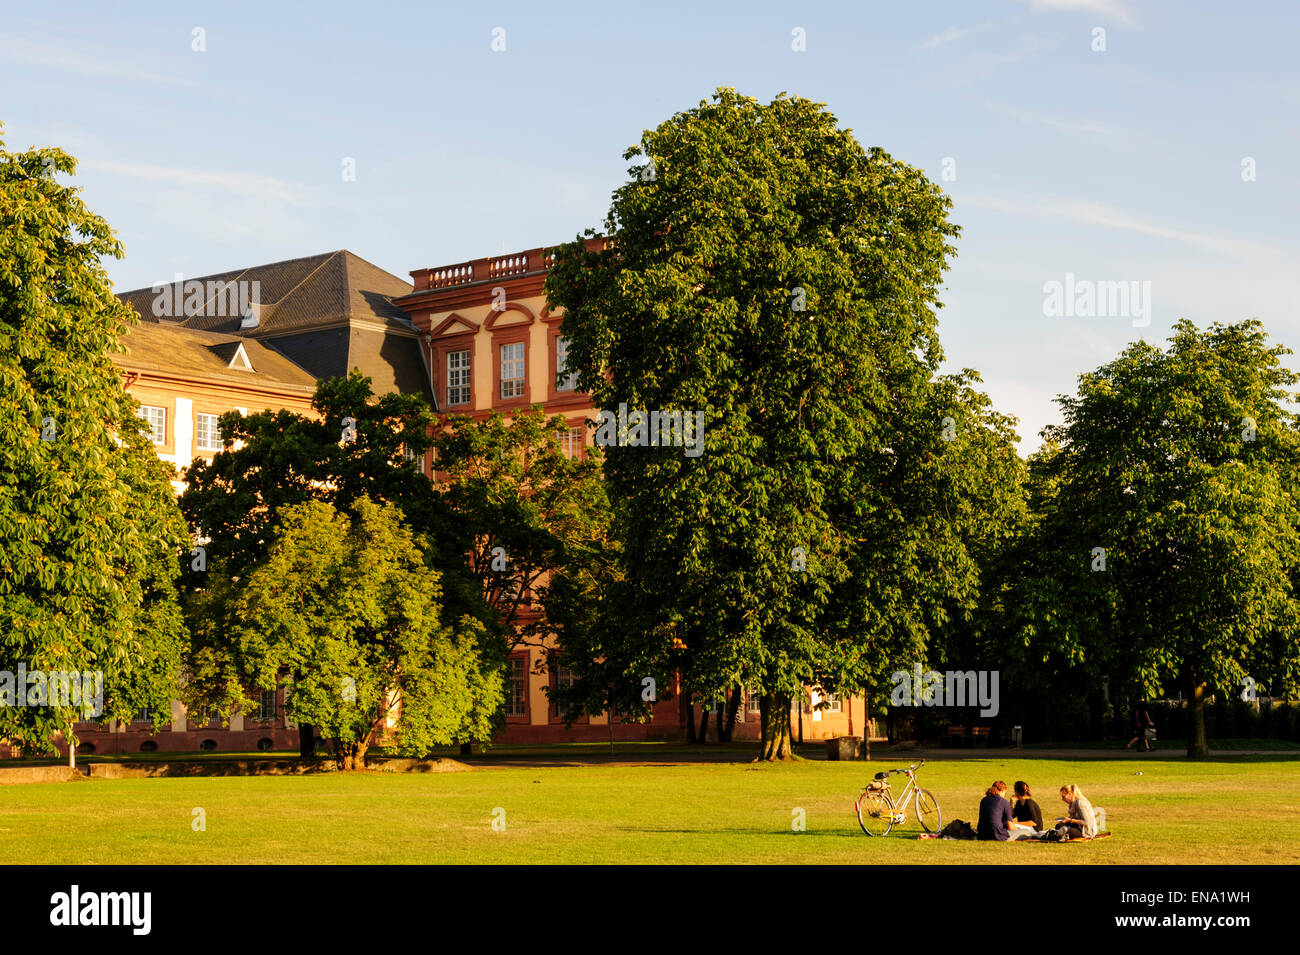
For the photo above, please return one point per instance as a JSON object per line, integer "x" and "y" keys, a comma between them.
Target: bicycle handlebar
{"x": 910, "y": 769}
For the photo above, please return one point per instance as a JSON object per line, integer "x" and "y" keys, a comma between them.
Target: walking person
{"x": 1142, "y": 723}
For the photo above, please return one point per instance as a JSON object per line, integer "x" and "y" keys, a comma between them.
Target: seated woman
{"x": 1025, "y": 810}
{"x": 995, "y": 813}
{"x": 995, "y": 817}
{"x": 1079, "y": 821}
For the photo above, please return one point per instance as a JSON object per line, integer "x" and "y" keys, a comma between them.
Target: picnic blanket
{"x": 1100, "y": 835}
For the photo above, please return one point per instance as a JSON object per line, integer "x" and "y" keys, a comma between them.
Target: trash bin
{"x": 843, "y": 747}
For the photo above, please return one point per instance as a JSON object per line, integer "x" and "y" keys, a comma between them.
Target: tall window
{"x": 156, "y": 418}
{"x": 563, "y": 676}
{"x": 512, "y": 370}
{"x": 517, "y": 705}
{"x": 206, "y": 435}
{"x": 570, "y": 442}
{"x": 458, "y": 392}
{"x": 142, "y": 715}
{"x": 266, "y": 711}
{"x": 565, "y": 380}
{"x": 752, "y": 706}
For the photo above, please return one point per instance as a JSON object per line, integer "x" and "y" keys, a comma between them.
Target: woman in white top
{"x": 1080, "y": 815}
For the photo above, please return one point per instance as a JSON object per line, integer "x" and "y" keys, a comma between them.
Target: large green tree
{"x": 768, "y": 272}
{"x": 348, "y": 605}
{"x": 90, "y": 535}
{"x": 357, "y": 445}
{"x": 1166, "y": 539}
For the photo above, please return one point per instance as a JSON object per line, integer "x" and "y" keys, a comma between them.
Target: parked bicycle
{"x": 878, "y": 812}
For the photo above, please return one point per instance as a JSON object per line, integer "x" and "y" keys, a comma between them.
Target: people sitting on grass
{"x": 1025, "y": 811}
{"x": 995, "y": 817}
{"x": 1079, "y": 822}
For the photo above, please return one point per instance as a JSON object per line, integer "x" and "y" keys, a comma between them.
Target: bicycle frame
{"x": 900, "y": 807}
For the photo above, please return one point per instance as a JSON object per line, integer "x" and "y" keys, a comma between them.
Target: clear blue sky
{"x": 1117, "y": 165}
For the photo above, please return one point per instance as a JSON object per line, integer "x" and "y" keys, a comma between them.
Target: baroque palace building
{"x": 474, "y": 338}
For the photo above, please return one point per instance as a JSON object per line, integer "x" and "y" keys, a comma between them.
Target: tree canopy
{"x": 1167, "y": 537}
{"x": 347, "y": 605}
{"x": 767, "y": 271}
{"x": 90, "y": 536}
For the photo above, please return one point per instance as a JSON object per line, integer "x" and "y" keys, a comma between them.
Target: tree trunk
{"x": 687, "y": 712}
{"x": 351, "y": 756}
{"x": 1197, "y": 745}
{"x": 866, "y": 725}
{"x": 733, "y": 707}
{"x": 704, "y": 724}
{"x": 467, "y": 749}
{"x": 774, "y": 718}
{"x": 306, "y": 741}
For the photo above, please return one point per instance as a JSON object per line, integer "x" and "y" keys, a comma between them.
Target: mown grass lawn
{"x": 1232, "y": 810}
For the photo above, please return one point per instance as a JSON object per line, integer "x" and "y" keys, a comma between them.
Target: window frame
{"x": 139, "y": 413}
{"x": 572, "y": 446}
{"x": 570, "y": 375}
{"x": 261, "y": 706}
{"x": 510, "y": 335}
{"x": 526, "y": 715}
{"x": 522, "y": 361}
{"x": 468, "y": 371}
{"x": 554, "y": 664}
{"x": 216, "y": 419}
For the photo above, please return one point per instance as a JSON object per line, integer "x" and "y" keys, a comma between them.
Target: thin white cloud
{"x": 1099, "y": 214}
{"x": 239, "y": 183}
{"x": 1114, "y": 9}
{"x": 85, "y": 61}
{"x": 951, "y": 35}
{"x": 1068, "y": 124}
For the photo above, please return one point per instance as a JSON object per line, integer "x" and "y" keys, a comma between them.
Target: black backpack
{"x": 957, "y": 830}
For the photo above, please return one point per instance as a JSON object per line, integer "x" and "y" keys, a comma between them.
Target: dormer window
{"x": 240, "y": 361}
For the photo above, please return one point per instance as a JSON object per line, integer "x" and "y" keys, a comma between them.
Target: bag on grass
{"x": 957, "y": 830}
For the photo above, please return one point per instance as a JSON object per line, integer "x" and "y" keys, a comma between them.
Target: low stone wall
{"x": 13, "y": 775}
{"x": 10, "y": 775}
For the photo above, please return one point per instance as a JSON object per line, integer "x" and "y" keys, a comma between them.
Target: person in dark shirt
{"x": 1025, "y": 809}
{"x": 1142, "y": 721}
{"x": 995, "y": 813}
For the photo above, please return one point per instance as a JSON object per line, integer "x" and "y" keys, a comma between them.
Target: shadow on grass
{"x": 806, "y": 834}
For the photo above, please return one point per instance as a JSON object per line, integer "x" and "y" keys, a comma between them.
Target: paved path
{"x": 495, "y": 759}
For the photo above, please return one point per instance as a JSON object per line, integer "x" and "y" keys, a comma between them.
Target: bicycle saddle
{"x": 882, "y": 775}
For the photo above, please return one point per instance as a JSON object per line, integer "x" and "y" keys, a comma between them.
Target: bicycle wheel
{"x": 875, "y": 813}
{"x": 927, "y": 811}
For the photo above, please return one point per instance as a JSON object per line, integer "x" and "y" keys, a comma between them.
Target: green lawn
{"x": 1234, "y": 810}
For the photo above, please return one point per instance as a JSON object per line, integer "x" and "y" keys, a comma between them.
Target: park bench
{"x": 954, "y": 737}
{"x": 979, "y": 736}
